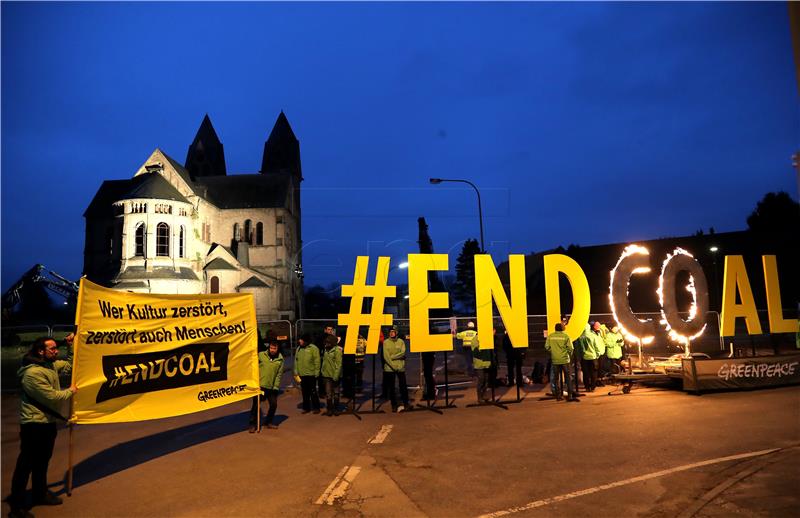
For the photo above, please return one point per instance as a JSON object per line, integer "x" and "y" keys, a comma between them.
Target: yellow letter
{"x": 777, "y": 324}
{"x": 581, "y": 305}
{"x": 421, "y": 301}
{"x": 488, "y": 287}
{"x": 735, "y": 277}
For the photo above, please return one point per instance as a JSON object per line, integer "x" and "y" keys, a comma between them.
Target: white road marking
{"x": 381, "y": 435}
{"x": 339, "y": 486}
{"x": 641, "y": 478}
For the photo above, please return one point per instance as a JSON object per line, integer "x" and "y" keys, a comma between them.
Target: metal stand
{"x": 493, "y": 402}
{"x": 357, "y": 411}
{"x": 431, "y": 405}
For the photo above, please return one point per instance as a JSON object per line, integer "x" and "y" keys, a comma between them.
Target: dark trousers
{"x": 308, "y": 385}
{"x": 562, "y": 373}
{"x": 514, "y": 363}
{"x": 35, "y": 449}
{"x": 589, "y": 369}
{"x": 483, "y": 383}
{"x": 359, "y": 375}
{"x": 331, "y": 394}
{"x": 390, "y": 386}
{"x": 272, "y": 400}
{"x": 428, "y": 360}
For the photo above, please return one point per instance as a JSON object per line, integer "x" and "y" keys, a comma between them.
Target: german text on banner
{"x": 145, "y": 356}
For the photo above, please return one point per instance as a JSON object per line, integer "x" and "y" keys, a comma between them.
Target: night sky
{"x": 580, "y": 123}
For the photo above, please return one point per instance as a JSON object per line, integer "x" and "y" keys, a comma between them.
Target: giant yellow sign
{"x": 141, "y": 357}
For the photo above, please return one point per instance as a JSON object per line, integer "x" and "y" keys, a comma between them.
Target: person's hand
{"x": 73, "y": 388}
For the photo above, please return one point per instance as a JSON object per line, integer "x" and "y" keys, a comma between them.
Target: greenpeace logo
{"x": 192, "y": 364}
{"x": 763, "y": 370}
{"x": 206, "y": 395}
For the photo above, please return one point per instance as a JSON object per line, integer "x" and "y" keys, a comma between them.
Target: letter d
{"x": 581, "y": 298}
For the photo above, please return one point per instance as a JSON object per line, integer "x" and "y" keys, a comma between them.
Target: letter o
{"x": 679, "y": 329}
{"x": 188, "y": 371}
{"x": 635, "y": 259}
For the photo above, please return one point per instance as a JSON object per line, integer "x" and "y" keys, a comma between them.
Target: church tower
{"x": 282, "y": 150}
{"x": 206, "y": 156}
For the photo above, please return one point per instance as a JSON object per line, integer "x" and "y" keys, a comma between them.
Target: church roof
{"x": 242, "y": 191}
{"x": 139, "y": 273}
{"x": 152, "y": 186}
{"x": 253, "y": 282}
{"x": 219, "y": 264}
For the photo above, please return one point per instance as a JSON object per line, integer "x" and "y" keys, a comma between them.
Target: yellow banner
{"x": 144, "y": 356}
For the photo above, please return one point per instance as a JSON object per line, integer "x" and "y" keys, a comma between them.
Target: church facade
{"x": 195, "y": 229}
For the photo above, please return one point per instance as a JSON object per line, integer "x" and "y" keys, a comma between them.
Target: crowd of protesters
{"x": 322, "y": 371}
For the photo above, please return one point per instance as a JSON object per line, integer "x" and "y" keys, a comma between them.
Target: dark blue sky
{"x": 581, "y": 123}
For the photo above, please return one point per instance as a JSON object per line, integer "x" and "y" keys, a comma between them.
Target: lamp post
{"x": 714, "y": 249}
{"x": 436, "y": 181}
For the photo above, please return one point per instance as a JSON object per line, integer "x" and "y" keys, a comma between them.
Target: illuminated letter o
{"x": 681, "y": 330}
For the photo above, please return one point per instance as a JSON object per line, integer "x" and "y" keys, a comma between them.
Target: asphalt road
{"x": 654, "y": 452}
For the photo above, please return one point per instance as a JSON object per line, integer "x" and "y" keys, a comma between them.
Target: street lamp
{"x": 437, "y": 181}
{"x": 714, "y": 249}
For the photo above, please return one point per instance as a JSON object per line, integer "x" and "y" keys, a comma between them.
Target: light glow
{"x": 629, "y": 250}
{"x": 686, "y": 341}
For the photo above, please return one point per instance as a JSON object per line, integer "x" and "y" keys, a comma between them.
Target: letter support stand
{"x": 494, "y": 401}
{"x": 431, "y": 405}
{"x": 357, "y": 411}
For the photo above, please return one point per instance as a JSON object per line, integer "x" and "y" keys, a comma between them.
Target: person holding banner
{"x": 40, "y": 400}
{"x": 306, "y": 367}
{"x": 331, "y": 373}
{"x": 270, "y": 371}
{"x": 394, "y": 366}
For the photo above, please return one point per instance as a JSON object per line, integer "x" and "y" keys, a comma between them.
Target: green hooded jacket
{"x": 270, "y": 370}
{"x": 394, "y": 355}
{"x": 588, "y": 344}
{"x": 306, "y": 361}
{"x": 614, "y": 345}
{"x": 560, "y": 347}
{"x": 332, "y": 363}
{"x": 39, "y": 380}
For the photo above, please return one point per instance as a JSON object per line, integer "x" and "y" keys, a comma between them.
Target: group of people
{"x": 594, "y": 355}
{"x": 318, "y": 372}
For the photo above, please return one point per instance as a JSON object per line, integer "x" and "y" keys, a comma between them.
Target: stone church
{"x": 194, "y": 228}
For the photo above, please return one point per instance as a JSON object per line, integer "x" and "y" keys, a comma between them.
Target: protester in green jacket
{"x": 306, "y": 367}
{"x": 41, "y": 401}
{"x": 614, "y": 342}
{"x": 560, "y": 347}
{"x": 331, "y": 372}
{"x": 394, "y": 366}
{"x": 270, "y": 372}
{"x": 588, "y": 363}
{"x": 481, "y": 363}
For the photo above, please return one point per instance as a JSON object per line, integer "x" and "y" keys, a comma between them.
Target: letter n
{"x": 488, "y": 287}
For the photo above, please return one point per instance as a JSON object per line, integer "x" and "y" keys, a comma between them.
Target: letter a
{"x": 735, "y": 279}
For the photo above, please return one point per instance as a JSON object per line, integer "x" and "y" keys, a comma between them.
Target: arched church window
{"x": 162, "y": 240}
{"x": 247, "y": 229}
{"x": 182, "y": 242}
{"x": 259, "y": 233}
{"x": 215, "y": 284}
{"x": 236, "y": 233}
{"x": 140, "y": 240}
